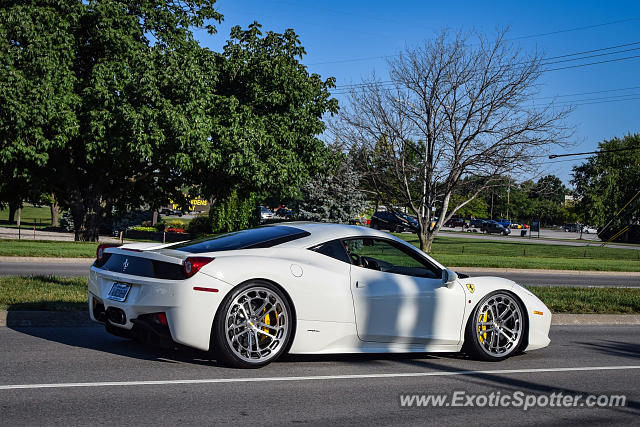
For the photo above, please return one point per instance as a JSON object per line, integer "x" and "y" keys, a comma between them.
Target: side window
{"x": 383, "y": 255}
{"x": 334, "y": 249}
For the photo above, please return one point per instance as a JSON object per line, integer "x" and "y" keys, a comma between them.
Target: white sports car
{"x": 253, "y": 295}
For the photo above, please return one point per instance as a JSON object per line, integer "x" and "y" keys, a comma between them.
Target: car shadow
{"x": 94, "y": 337}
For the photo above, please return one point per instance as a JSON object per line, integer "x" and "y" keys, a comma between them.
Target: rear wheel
{"x": 496, "y": 327}
{"x": 253, "y": 327}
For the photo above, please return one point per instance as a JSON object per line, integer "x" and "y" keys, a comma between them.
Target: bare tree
{"x": 460, "y": 107}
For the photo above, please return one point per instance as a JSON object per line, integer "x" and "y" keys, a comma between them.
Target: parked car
{"x": 476, "y": 223}
{"x": 265, "y": 214}
{"x": 365, "y": 290}
{"x": 284, "y": 213}
{"x": 492, "y": 226}
{"x": 393, "y": 221}
{"x": 504, "y": 222}
{"x": 170, "y": 212}
{"x": 571, "y": 228}
{"x": 589, "y": 230}
{"x": 455, "y": 222}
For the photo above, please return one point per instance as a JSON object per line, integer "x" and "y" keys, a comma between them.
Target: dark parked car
{"x": 494, "y": 227}
{"x": 393, "y": 221}
{"x": 455, "y": 222}
{"x": 573, "y": 228}
{"x": 476, "y": 223}
{"x": 284, "y": 213}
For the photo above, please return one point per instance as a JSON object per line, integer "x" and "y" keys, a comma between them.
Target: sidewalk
{"x": 28, "y": 234}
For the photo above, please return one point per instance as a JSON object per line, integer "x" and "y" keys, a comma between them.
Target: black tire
{"x": 399, "y": 229}
{"x": 221, "y": 347}
{"x": 472, "y": 345}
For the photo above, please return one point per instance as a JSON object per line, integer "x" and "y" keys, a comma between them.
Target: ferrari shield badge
{"x": 471, "y": 287}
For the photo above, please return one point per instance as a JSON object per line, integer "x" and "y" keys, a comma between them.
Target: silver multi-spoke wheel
{"x": 498, "y": 325}
{"x": 256, "y": 325}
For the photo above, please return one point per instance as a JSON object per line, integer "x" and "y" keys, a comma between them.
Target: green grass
{"x": 40, "y": 216}
{"x": 461, "y": 252}
{"x": 70, "y": 294}
{"x": 43, "y": 293}
{"x": 589, "y": 300}
{"x": 46, "y": 248}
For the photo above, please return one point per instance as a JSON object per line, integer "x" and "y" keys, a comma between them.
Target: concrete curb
{"x": 563, "y": 319}
{"x": 23, "y": 319}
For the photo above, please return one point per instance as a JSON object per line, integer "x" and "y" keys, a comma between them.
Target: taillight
{"x": 192, "y": 264}
{"x": 102, "y": 247}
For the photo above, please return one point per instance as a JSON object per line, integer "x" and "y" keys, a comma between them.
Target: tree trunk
{"x": 12, "y": 214}
{"x": 86, "y": 224}
{"x": 154, "y": 220}
{"x": 19, "y": 216}
{"x": 55, "y": 211}
{"x": 426, "y": 241}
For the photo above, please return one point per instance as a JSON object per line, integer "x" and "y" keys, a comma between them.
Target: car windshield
{"x": 261, "y": 237}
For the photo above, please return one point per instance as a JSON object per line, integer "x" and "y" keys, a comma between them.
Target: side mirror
{"x": 449, "y": 277}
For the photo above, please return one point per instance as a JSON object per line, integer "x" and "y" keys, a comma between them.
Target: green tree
{"x": 102, "y": 101}
{"x": 267, "y": 114}
{"x": 607, "y": 183}
{"x": 333, "y": 195}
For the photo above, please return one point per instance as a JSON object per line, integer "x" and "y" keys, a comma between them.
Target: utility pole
{"x": 508, "y": 194}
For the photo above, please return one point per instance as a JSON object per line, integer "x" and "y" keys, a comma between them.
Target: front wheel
{"x": 496, "y": 327}
{"x": 253, "y": 326}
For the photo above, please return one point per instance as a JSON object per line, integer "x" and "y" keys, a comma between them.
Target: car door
{"x": 398, "y": 296}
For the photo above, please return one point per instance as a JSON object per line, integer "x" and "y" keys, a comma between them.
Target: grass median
{"x": 70, "y": 294}
{"x": 461, "y": 252}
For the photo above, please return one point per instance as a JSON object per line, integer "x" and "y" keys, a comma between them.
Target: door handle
{"x": 359, "y": 285}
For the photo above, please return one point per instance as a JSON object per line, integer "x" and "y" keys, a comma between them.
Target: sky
{"x": 349, "y": 40}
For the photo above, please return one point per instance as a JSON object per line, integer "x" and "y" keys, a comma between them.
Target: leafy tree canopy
{"x": 607, "y": 183}
{"x": 112, "y": 104}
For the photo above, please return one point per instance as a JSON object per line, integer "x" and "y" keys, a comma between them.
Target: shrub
{"x": 131, "y": 218}
{"x": 235, "y": 213}
{"x": 175, "y": 230}
{"x": 173, "y": 223}
{"x": 199, "y": 225}
{"x": 142, "y": 228}
{"x": 66, "y": 221}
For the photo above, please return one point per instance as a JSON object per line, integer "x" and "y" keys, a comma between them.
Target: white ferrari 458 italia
{"x": 253, "y": 295}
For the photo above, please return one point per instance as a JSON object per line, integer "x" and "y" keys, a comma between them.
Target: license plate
{"x": 119, "y": 291}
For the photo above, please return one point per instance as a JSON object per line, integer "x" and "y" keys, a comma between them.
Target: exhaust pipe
{"x": 116, "y": 315}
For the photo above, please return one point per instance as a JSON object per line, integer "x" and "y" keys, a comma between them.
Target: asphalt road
{"x": 122, "y": 382}
{"x": 64, "y": 269}
{"x": 527, "y": 279}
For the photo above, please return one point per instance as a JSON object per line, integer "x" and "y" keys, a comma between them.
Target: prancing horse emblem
{"x": 471, "y": 287}
{"x": 125, "y": 264}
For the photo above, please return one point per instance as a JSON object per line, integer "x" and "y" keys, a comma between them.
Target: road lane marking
{"x": 315, "y": 378}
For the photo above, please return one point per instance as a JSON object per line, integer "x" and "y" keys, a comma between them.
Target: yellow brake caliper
{"x": 267, "y": 321}
{"x": 483, "y": 318}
